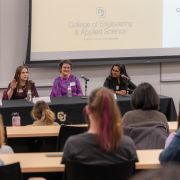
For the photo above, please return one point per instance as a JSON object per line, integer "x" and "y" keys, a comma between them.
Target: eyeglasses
{"x": 66, "y": 67}
{"x": 115, "y": 71}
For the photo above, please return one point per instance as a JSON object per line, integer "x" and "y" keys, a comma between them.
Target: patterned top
{"x": 60, "y": 86}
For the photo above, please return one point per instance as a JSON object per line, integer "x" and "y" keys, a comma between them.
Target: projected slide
{"x": 171, "y": 23}
{"x": 83, "y": 29}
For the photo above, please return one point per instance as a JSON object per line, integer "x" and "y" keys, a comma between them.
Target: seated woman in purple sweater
{"x": 20, "y": 85}
{"x": 66, "y": 79}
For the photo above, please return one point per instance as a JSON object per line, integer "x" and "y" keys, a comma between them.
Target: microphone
{"x": 32, "y": 82}
{"x": 85, "y": 78}
{"x": 125, "y": 77}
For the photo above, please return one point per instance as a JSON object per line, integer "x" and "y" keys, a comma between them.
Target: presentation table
{"x": 70, "y": 110}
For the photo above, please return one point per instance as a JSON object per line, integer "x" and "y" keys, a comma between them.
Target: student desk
{"x": 33, "y": 138}
{"x": 38, "y": 162}
{"x": 47, "y": 131}
{"x": 32, "y": 131}
{"x": 38, "y": 165}
{"x": 172, "y": 126}
{"x": 22, "y": 139}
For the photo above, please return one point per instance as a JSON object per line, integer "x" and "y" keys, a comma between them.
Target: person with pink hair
{"x": 104, "y": 142}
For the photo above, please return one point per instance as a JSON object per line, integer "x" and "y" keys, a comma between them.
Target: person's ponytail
{"x": 108, "y": 118}
{"x": 49, "y": 117}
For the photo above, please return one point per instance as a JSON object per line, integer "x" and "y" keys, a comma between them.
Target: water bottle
{"x": 29, "y": 96}
{"x": 16, "y": 120}
{"x": 69, "y": 94}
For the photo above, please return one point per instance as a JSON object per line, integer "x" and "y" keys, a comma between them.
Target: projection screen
{"x": 103, "y": 31}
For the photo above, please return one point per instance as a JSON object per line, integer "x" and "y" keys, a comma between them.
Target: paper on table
{"x": 46, "y": 99}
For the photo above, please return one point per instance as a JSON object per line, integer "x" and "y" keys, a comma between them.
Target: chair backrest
{"x": 3, "y": 94}
{"x": 65, "y": 132}
{"x": 12, "y": 171}
{"x": 76, "y": 171}
{"x": 5, "y": 135}
{"x": 153, "y": 137}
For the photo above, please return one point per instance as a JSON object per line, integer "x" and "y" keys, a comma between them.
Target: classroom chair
{"x": 77, "y": 171}
{"x": 65, "y": 132}
{"x": 3, "y": 94}
{"x": 5, "y": 135}
{"x": 12, "y": 171}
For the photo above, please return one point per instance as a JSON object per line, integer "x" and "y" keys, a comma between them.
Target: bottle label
{"x": 29, "y": 97}
{"x": 16, "y": 121}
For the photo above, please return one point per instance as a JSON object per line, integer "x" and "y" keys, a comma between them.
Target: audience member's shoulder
{"x": 129, "y": 114}
{"x": 57, "y": 79}
{"x": 127, "y": 140}
{"x": 159, "y": 114}
{"x": 6, "y": 150}
{"x": 109, "y": 78}
{"x": 127, "y": 144}
{"x": 73, "y": 77}
{"x": 80, "y": 138}
{"x": 55, "y": 124}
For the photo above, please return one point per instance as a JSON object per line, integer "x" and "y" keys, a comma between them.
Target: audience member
{"x": 171, "y": 136}
{"x": 20, "y": 85}
{"x": 145, "y": 103}
{"x": 168, "y": 172}
{"x": 42, "y": 114}
{"x": 66, "y": 79}
{"x": 115, "y": 82}
{"x": 104, "y": 142}
{"x": 172, "y": 152}
{"x": 1, "y": 162}
{"x": 4, "y": 149}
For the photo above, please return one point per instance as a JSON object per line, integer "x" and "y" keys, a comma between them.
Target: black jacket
{"x": 112, "y": 83}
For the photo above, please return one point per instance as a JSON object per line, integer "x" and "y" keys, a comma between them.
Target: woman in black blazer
{"x": 115, "y": 82}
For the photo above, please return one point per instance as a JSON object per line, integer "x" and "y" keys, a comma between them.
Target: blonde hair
{"x": 42, "y": 112}
{"x": 109, "y": 122}
{"x": 2, "y": 138}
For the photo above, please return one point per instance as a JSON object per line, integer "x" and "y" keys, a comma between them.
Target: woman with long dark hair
{"x": 20, "y": 85}
{"x": 104, "y": 142}
{"x": 115, "y": 82}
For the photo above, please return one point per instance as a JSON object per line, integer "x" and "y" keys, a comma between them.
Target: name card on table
{"x": 115, "y": 97}
{"x": 46, "y": 99}
{"x": 0, "y": 102}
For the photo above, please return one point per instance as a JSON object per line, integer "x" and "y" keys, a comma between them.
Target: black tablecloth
{"x": 69, "y": 110}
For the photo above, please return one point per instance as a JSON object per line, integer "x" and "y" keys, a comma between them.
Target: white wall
{"x": 13, "y": 45}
